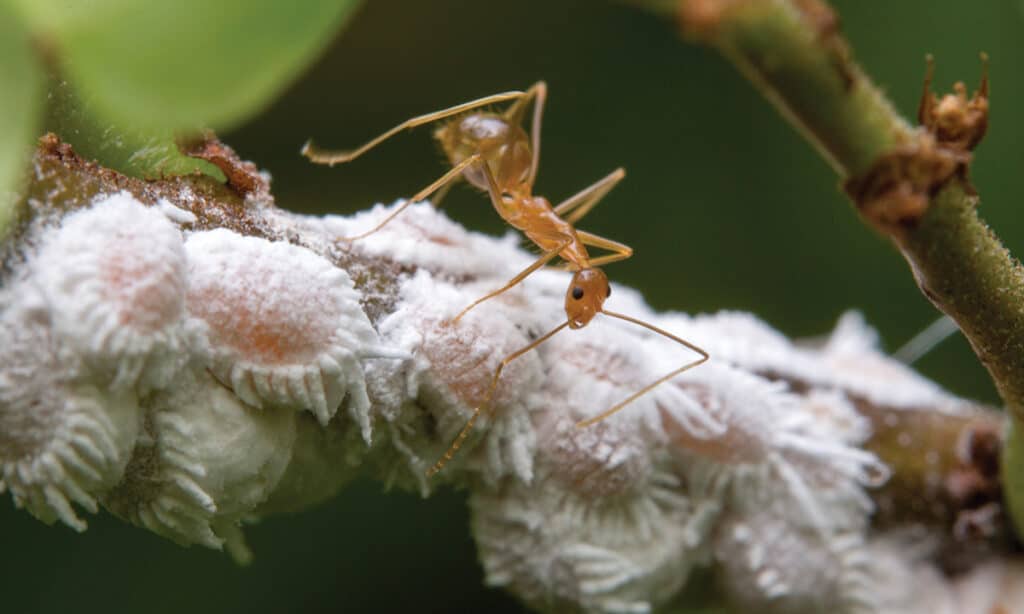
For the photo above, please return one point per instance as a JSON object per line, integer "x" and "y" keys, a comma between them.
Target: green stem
{"x": 807, "y": 74}
{"x": 966, "y": 272}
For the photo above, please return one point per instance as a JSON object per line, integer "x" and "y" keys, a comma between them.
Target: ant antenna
{"x": 639, "y": 393}
{"x": 485, "y": 406}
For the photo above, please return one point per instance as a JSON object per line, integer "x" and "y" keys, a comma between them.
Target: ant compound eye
{"x": 577, "y": 293}
{"x": 609, "y": 292}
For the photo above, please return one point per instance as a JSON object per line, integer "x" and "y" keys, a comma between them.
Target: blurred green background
{"x": 726, "y": 207}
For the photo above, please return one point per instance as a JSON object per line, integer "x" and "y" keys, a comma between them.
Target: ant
{"x": 493, "y": 153}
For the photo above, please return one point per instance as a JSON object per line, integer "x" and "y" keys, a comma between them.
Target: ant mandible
{"x": 493, "y": 152}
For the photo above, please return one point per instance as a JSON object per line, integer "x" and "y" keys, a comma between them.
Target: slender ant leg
{"x": 442, "y": 182}
{"x": 544, "y": 259}
{"x": 621, "y": 251}
{"x": 330, "y": 158}
{"x": 586, "y": 199}
{"x": 539, "y": 93}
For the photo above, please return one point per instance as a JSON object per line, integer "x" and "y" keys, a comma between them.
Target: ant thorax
{"x": 534, "y": 216}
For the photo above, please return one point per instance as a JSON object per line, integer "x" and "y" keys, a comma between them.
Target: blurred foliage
{"x": 20, "y": 108}
{"x": 130, "y": 77}
{"x": 726, "y": 207}
{"x": 187, "y": 64}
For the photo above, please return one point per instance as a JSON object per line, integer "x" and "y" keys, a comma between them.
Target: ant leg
{"x": 440, "y": 194}
{"x": 539, "y": 93}
{"x": 585, "y": 200}
{"x": 639, "y": 393}
{"x": 441, "y": 182}
{"x": 330, "y": 158}
{"x": 620, "y": 251}
{"x": 544, "y": 259}
{"x": 486, "y": 405}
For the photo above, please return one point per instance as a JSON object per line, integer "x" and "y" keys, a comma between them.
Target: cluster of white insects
{"x": 189, "y": 380}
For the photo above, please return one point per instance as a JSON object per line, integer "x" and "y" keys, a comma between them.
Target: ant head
{"x": 585, "y": 297}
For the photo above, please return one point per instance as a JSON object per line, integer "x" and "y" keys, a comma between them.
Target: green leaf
{"x": 20, "y": 110}
{"x": 149, "y": 154}
{"x": 178, "y": 66}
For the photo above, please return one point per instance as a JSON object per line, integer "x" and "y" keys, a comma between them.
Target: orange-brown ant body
{"x": 493, "y": 152}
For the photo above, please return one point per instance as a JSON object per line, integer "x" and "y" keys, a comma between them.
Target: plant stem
{"x": 962, "y": 267}
{"x": 805, "y": 71}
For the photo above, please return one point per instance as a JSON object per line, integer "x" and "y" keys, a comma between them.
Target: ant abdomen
{"x": 503, "y": 145}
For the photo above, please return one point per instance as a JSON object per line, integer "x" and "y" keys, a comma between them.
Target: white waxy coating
{"x": 423, "y": 237}
{"x": 284, "y": 326}
{"x": 849, "y": 359}
{"x": 208, "y": 461}
{"x": 113, "y": 278}
{"x": 773, "y": 567}
{"x": 62, "y": 442}
{"x": 560, "y": 551}
{"x": 453, "y": 371}
{"x": 771, "y": 446}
